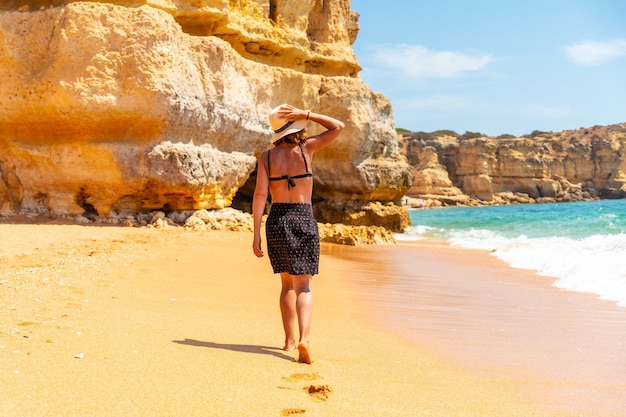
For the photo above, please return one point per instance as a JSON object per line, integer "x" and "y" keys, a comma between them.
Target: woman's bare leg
{"x": 304, "y": 310}
{"x": 288, "y": 310}
{"x": 296, "y": 302}
{"x": 304, "y": 305}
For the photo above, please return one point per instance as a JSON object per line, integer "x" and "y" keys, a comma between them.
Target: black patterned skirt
{"x": 293, "y": 241}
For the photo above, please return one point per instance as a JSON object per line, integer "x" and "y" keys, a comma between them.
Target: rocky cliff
{"x": 573, "y": 165}
{"x": 115, "y": 107}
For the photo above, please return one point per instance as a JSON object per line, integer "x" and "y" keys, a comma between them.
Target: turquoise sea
{"x": 580, "y": 246}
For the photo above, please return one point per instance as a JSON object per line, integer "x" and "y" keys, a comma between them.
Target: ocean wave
{"x": 580, "y": 245}
{"x": 594, "y": 264}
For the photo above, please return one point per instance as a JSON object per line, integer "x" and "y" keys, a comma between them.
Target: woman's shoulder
{"x": 263, "y": 156}
{"x": 305, "y": 146}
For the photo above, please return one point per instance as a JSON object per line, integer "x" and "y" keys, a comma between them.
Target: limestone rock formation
{"x": 357, "y": 213}
{"x": 112, "y": 106}
{"x": 574, "y": 165}
{"x": 355, "y": 235}
{"x": 114, "y": 180}
{"x": 223, "y": 219}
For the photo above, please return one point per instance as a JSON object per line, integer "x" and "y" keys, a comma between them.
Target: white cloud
{"x": 419, "y": 62}
{"x": 593, "y": 53}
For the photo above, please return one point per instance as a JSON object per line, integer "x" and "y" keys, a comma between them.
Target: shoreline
{"x": 493, "y": 320}
{"x": 107, "y": 321}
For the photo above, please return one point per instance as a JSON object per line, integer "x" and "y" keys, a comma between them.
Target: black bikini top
{"x": 290, "y": 180}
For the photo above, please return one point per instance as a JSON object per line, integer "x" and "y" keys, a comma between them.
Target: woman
{"x": 291, "y": 230}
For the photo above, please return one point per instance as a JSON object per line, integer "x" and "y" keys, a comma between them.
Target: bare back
{"x": 289, "y": 166}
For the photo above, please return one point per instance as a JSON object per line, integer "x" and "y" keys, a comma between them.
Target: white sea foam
{"x": 581, "y": 246}
{"x": 594, "y": 264}
{"x": 415, "y": 233}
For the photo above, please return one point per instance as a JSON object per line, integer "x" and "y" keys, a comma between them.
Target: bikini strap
{"x": 306, "y": 165}
{"x": 269, "y": 168}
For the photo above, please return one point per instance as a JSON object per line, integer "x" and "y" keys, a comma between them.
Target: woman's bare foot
{"x": 304, "y": 357}
{"x": 289, "y": 347}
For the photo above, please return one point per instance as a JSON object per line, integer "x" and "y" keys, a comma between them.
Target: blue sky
{"x": 496, "y": 67}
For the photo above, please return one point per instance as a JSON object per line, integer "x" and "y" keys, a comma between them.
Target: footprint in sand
{"x": 319, "y": 392}
{"x": 302, "y": 377}
{"x": 292, "y": 411}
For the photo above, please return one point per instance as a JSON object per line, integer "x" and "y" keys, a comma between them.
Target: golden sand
{"x": 112, "y": 321}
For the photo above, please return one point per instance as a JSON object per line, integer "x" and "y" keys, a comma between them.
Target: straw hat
{"x": 282, "y": 127}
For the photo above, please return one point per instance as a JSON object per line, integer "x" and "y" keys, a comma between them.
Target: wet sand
{"x": 567, "y": 349}
{"x": 101, "y": 321}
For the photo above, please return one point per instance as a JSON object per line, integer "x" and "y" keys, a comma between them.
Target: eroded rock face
{"x": 156, "y": 104}
{"x": 429, "y": 175}
{"x": 114, "y": 179}
{"x": 572, "y": 165}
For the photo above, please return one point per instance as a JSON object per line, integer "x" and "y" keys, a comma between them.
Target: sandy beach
{"x": 107, "y": 320}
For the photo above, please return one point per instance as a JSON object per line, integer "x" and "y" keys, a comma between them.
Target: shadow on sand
{"x": 259, "y": 350}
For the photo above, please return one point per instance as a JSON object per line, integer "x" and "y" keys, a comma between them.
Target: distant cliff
{"x": 573, "y": 165}
{"x": 111, "y": 108}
